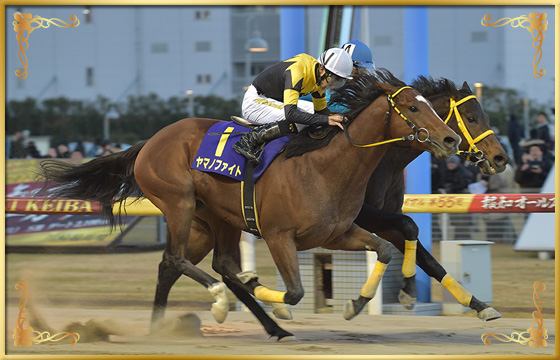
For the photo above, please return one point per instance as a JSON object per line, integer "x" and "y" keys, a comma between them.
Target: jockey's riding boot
{"x": 250, "y": 142}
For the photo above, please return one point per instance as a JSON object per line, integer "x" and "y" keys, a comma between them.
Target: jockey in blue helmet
{"x": 360, "y": 53}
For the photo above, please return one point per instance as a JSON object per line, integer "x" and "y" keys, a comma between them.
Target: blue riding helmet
{"x": 361, "y": 54}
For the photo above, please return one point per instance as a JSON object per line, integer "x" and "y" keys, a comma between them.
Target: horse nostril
{"x": 450, "y": 142}
{"x": 501, "y": 160}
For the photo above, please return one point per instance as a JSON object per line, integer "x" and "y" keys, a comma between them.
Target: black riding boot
{"x": 250, "y": 143}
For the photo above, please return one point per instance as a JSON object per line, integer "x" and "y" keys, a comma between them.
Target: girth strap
{"x": 248, "y": 205}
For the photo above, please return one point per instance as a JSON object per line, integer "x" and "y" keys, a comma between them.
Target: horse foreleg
{"x": 430, "y": 265}
{"x": 284, "y": 254}
{"x": 395, "y": 228}
{"x": 358, "y": 239}
{"x": 269, "y": 325}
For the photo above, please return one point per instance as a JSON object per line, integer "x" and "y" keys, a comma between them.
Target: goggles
{"x": 334, "y": 81}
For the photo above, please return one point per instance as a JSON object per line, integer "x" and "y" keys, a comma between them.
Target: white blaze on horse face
{"x": 423, "y": 99}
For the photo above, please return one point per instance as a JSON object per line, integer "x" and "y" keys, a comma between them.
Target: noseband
{"x": 473, "y": 152}
{"x": 410, "y": 137}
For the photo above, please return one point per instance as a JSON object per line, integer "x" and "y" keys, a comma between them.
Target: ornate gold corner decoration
{"x": 25, "y": 24}
{"x": 535, "y": 22}
{"x": 24, "y": 333}
{"x": 535, "y": 337}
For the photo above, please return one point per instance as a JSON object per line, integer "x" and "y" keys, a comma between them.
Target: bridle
{"x": 392, "y": 105}
{"x": 473, "y": 152}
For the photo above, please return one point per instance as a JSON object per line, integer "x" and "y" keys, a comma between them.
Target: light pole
{"x": 190, "y": 95}
{"x": 111, "y": 115}
{"x": 478, "y": 91}
{"x": 254, "y": 44}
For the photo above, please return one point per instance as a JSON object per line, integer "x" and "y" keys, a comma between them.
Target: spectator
{"x": 80, "y": 146}
{"x": 515, "y": 134}
{"x": 542, "y": 131}
{"x": 107, "y": 148}
{"x": 498, "y": 225}
{"x": 97, "y": 148}
{"x": 51, "y": 153}
{"x": 76, "y": 157}
{"x": 17, "y": 150}
{"x": 117, "y": 148}
{"x": 62, "y": 151}
{"x": 455, "y": 178}
{"x": 534, "y": 167}
{"x": 32, "y": 151}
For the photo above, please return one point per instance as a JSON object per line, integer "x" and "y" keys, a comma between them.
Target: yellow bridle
{"x": 404, "y": 138}
{"x": 473, "y": 149}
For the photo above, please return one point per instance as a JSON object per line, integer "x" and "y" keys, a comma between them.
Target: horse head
{"x": 409, "y": 113}
{"x": 460, "y": 109}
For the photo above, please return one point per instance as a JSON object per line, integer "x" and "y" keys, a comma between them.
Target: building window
{"x": 87, "y": 14}
{"x": 202, "y": 14}
{"x": 479, "y": 36}
{"x": 20, "y": 83}
{"x": 202, "y": 46}
{"x": 203, "y": 79}
{"x": 160, "y": 48}
{"x": 89, "y": 76}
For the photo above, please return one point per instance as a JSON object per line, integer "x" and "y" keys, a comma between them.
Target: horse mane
{"x": 429, "y": 87}
{"x": 355, "y": 96}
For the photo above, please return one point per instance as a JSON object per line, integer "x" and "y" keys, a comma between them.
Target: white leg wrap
{"x": 220, "y": 308}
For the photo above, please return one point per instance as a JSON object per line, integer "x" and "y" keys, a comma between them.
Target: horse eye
{"x": 471, "y": 119}
{"x": 413, "y": 108}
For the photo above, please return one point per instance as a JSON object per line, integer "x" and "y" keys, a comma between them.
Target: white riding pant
{"x": 259, "y": 109}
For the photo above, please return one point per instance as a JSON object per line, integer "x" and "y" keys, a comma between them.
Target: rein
{"x": 473, "y": 149}
{"x": 404, "y": 138}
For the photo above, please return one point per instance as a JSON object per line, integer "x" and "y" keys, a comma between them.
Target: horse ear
{"x": 466, "y": 87}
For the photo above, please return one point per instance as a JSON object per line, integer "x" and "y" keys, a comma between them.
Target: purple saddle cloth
{"x": 216, "y": 154}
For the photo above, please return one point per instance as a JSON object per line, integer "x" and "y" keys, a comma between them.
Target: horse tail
{"x": 106, "y": 179}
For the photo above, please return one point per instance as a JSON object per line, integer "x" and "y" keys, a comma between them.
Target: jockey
{"x": 272, "y": 98}
{"x": 362, "y": 58}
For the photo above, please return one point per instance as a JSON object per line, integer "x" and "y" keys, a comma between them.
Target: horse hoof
{"x": 281, "y": 311}
{"x": 348, "y": 310}
{"x": 220, "y": 312}
{"x": 406, "y": 300}
{"x": 488, "y": 314}
{"x": 220, "y": 308}
{"x": 287, "y": 339}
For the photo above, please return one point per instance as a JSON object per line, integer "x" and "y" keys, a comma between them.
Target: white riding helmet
{"x": 338, "y": 62}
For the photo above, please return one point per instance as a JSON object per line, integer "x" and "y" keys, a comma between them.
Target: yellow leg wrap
{"x": 369, "y": 288}
{"x": 409, "y": 262}
{"x": 457, "y": 290}
{"x": 264, "y": 294}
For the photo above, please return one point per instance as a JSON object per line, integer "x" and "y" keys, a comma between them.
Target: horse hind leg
{"x": 167, "y": 276}
{"x": 200, "y": 244}
{"x": 179, "y": 210}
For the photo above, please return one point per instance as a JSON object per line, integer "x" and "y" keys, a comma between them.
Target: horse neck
{"x": 357, "y": 162}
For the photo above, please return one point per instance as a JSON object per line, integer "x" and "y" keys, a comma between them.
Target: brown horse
{"x": 381, "y": 212}
{"x": 303, "y": 202}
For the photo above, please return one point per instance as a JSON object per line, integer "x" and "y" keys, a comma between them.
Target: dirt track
{"x": 317, "y": 334}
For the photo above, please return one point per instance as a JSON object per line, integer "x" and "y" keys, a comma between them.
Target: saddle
{"x": 240, "y": 121}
